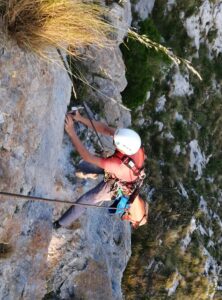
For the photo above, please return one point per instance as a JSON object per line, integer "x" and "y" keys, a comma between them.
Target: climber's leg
{"x": 87, "y": 168}
{"x": 99, "y": 193}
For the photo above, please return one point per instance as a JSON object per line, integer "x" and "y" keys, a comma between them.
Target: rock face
{"x": 143, "y": 8}
{"x": 35, "y": 262}
{"x": 104, "y": 70}
{"x": 206, "y": 26}
{"x": 33, "y": 101}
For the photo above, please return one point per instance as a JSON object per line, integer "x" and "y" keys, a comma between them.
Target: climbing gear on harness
{"x": 128, "y": 188}
{"x": 127, "y": 141}
{"x": 120, "y": 203}
{"x": 126, "y": 192}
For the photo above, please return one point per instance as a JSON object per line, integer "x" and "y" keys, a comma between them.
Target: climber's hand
{"x": 76, "y": 117}
{"x": 69, "y": 128}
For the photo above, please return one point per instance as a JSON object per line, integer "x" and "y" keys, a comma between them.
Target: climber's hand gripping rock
{"x": 69, "y": 128}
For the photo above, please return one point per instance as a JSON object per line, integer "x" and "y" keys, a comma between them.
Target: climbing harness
{"x": 129, "y": 162}
{"x": 128, "y": 188}
{"x": 126, "y": 192}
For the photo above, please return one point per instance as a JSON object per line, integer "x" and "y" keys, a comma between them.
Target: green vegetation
{"x": 212, "y": 35}
{"x": 158, "y": 259}
{"x": 142, "y": 65}
{"x": 170, "y": 26}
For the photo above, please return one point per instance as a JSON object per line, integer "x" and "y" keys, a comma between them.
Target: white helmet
{"x": 127, "y": 141}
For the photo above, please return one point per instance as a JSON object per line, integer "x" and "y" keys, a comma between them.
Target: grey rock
{"x": 87, "y": 261}
{"x": 143, "y": 8}
{"x": 34, "y": 96}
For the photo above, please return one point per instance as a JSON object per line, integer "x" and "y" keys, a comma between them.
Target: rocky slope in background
{"x": 178, "y": 255}
{"x": 36, "y": 262}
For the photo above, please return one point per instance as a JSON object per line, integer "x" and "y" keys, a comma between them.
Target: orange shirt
{"x": 115, "y": 166}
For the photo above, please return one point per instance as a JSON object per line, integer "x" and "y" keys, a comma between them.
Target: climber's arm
{"x": 84, "y": 153}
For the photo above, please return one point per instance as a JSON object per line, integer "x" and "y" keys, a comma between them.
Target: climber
{"x": 123, "y": 172}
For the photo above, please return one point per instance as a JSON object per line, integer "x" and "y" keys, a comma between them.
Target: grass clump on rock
{"x": 39, "y": 24}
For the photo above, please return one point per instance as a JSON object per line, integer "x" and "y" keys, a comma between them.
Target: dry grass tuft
{"x": 38, "y": 24}
{"x": 143, "y": 39}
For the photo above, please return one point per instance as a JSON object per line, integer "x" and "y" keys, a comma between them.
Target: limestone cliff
{"x": 178, "y": 254}
{"x": 36, "y": 262}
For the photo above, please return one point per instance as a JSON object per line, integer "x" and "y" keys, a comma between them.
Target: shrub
{"x": 172, "y": 28}
{"x": 142, "y": 65}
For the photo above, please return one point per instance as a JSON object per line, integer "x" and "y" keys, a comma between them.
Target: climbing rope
{"x": 69, "y": 72}
{"x": 90, "y": 119}
{"x": 14, "y": 195}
